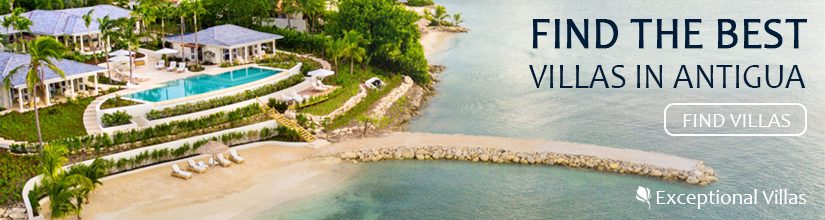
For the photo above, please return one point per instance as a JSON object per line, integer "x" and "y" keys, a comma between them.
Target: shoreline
{"x": 276, "y": 174}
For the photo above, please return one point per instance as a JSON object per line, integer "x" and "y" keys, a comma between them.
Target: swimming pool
{"x": 202, "y": 84}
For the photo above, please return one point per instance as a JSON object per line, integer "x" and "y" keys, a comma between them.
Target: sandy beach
{"x": 275, "y": 174}
{"x": 271, "y": 175}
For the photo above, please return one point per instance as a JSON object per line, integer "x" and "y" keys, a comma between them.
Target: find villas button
{"x": 735, "y": 119}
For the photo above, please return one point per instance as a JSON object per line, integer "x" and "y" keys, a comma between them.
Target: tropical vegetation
{"x": 115, "y": 119}
{"x": 43, "y": 52}
{"x": 59, "y": 121}
{"x": 14, "y": 171}
{"x": 419, "y": 3}
{"x": 117, "y": 102}
{"x": 132, "y": 139}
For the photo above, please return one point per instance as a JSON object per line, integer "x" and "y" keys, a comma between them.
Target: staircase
{"x": 278, "y": 117}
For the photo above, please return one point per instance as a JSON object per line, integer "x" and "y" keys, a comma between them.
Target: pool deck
{"x": 155, "y": 78}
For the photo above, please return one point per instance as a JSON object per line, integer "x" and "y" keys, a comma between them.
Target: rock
{"x": 18, "y": 210}
{"x": 17, "y": 216}
{"x": 2, "y": 212}
{"x": 408, "y": 154}
{"x": 656, "y": 172}
{"x": 484, "y": 157}
{"x": 692, "y": 180}
{"x": 349, "y": 156}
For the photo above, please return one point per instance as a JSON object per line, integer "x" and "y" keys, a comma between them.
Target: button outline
{"x": 734, "y": 104}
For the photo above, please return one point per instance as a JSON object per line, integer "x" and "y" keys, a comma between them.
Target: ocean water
{"x": 487, "y": 90}
{"x": 202, "y": 84}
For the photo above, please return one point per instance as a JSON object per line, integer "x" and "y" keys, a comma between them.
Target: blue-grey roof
{"x": 9, "y": 61}
{"x": 225, "y": 35}
{"x": 67, "y": 21}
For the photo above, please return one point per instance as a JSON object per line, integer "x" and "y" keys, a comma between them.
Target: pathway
{"x": 90, "y": 115}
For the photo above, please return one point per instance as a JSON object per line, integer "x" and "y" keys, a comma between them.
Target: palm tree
{"x": 106, "y": 25}
{"x": 164, "y": 11}
{"x": 290, "y": 7}
{"x": 196, "y": 8}
{"x": 20, "y": 23}
{"x": 311, "y": 8}
{"x": 128, "y": 35}
{"x": 354, "y": 51}
{"x": 87, "y": 20}
{"x": 457, "y": 20}
{"x": 181, "y": 11}
{"x": 43, "y": 51}
{"x": 61, "y": 187}
{"x": 336, "y": 49}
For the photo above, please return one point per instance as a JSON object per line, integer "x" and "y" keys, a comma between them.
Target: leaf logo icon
{"x": 643, "y": 195}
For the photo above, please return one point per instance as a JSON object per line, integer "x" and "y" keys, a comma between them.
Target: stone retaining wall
{"x": 701, "y": 175}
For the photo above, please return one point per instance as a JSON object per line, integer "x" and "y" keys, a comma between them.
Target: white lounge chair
{"x": 200, "y": 163}
{"x": 297, "y": 97}
{"x": 318, "y": 86}
{"x": 223, "y": 161}
{"x": 177, "y": 172}
{"x": 234, "y": 157}
{"x": 181, "y": 67}
{"x": 160, "y": 64}
{"x": 172, "y": 66}
{"x": 194, "y": 167}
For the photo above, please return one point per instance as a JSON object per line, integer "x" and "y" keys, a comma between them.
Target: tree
{"x": 457, "y": 20}
{"x": 65, "y": 191}
{"x": 353, "y": 50}
{"x": 368, "y": 121}
{"x": 43, "y": 51}
{"x": 391, "y": 32}
{"x": 164, "y": 11}
{"x": 49, "y": 4}
{"x": 106, "y": 25}
{"x": 196, "y": 8}
{"x": 130, "y": 37}
{"x": 182, "y": 11}
{"x": 336, "y": 50}
{"x": 312, "y": 9}
{"x": 87, "y": 20}
{"x": 20, "y": 23}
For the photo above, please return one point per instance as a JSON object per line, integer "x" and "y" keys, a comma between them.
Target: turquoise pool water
{"x": 202, "y": 84}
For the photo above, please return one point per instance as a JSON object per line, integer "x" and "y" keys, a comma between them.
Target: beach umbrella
{"x": 212, "y": 147}
{"x": 321, "y": 73}
{"x": 119, "y": 59}
{"x": 165, "y": 51}
{"x": 121, "y": 53}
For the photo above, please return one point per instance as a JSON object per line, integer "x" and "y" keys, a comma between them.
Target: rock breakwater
{"x": 700, "y": 175}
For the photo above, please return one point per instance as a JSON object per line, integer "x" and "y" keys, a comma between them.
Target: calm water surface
{"x": 487, "y": 90}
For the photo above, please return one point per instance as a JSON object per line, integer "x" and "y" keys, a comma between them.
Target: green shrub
{"x": 225, "y": 100}
{"x": 297, "y": 41}
{"x": 116, "y": 119}
{"x": 14, "y": 172}
{"x": 117, "y": 102}
{"x": 279, "y": 105}
{"x": 125, "y": 140}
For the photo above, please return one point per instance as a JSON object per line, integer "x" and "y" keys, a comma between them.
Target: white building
{"x": 224, "y": 43}
{"x": 80, "y": 78}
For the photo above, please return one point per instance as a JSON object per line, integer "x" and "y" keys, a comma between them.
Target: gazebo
{"x": 224, "y": 43}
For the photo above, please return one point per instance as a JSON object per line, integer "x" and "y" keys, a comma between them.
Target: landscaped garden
{"x": 14, "y": 171}
{"x": 117, "y": 102}
{"x": 224, "y": 100}
{"x": 57, "y": 121}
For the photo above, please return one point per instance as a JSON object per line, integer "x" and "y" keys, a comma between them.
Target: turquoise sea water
{"x": 487, "y": 90}
{"x": 202, "y": 84}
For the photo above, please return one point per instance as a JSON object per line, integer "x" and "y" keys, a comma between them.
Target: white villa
{"x": 67, "y": 25}
{"x": 81, "y": 79}
{"x": 224, "y": 43}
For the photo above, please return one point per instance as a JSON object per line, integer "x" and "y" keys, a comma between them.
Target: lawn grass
{"x": 362, "y": 107}
{"x": 14, "y": 172}
{"x": 349, "y": 85}
{"x": 329, "y": 105}
{"x": 57, "y": 122}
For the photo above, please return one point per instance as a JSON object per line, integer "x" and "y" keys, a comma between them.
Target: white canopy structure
{"x": 121, "y": 53}
{"x": 119, "y": 59}
{"x": 321, "y": 73}
{"x": 165, "y": 51}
